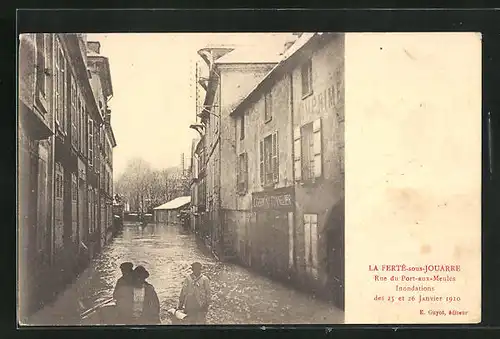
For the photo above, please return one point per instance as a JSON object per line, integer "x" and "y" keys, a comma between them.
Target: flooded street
{"x": 239, "y": 296}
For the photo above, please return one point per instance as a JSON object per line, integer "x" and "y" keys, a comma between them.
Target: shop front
{"x": 272, "y": 238}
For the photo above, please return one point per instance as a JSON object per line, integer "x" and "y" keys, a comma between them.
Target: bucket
{"x": 177, "y": 316}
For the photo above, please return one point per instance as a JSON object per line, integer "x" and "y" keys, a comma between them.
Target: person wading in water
{"x": 195, "y": 296}
{"x": 145, "y": 306}
{"x": 123, "y": 293}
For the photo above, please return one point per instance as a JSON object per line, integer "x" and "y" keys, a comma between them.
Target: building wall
{"x": 51, "y": 226}
{"x": 325, "y": 193}
{"x": 251, "y": 237}
{"x": 236, "y": 82}
{"x": 35, "y": 176}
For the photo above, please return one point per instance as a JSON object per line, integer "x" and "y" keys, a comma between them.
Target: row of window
{"x": 307, "y": 145}
{"x": 306, "y": 76}
{"x": 92, "y": 197}
{"x": 84, "y": 132}
{"x": 308, "y": 157}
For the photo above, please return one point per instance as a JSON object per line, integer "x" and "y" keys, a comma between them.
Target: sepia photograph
{"x": 181, "y": 178}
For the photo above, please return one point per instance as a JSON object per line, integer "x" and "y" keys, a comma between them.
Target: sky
{"x": 153, "y": 78}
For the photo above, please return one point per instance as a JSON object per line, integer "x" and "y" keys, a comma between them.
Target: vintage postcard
{"x": 249, "y": 178}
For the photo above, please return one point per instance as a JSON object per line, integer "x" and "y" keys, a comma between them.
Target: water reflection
{"x": 165, "y": 250}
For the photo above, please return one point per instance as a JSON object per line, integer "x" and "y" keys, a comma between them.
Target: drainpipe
{"x": 219, "y": 104}
{"x": 293, "y": 174}
{"x": 53, "y": 177}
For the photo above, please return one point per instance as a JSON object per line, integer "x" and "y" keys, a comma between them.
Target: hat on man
{"x": 141, "y": 272}
{"x": 126, "y": 265}
{"x": 196, "y": 264}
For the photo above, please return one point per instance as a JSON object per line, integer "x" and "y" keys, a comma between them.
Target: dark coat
{"x": 124, "y": 295}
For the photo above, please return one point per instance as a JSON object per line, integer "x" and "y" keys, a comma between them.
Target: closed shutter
{"x": 74, "y": 112}
{"x": 297, "y": 155}
{"x": 91, "y": 141}
{"x": 62, "y": 92}
{"x": 74, "y": 211}
{"x": 275, "y": 157}
{"x": 59, "y": 208}
{"x": 307, "y": 241}
{"x": 238, "y": 173}
{"x": 42, "y": 205}
{"x": 314, "y": 244}
{"x": 317, "y": 148}
{"x": 261, "y": 167}
{"x": 246, "y": 171}
{"x": 56, "y": 85}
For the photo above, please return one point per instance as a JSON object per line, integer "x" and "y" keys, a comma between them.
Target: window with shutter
{"x": 275, "y": 158}
{"x": 74, "y": 112}
{"x": 91, "y": 141}
{"x": 59, "y": 205}
{"x": 42, "y": 60}
{"x": 46, "y": 63}
{"x": 63, "y": 91}
{"x": 314, "y": 244}
{"x": 307, "y": 157}
{"x": 307, "y": 240}
{"x": 41, "y": 205}
{"x": 297, "y": 154}
{"x": 261, "y": 163}
{"x": 246, "y": 172}
{"x": 311, "y": 243}
{"x": 56, "y": 86}
{"x": 317, "y": 148}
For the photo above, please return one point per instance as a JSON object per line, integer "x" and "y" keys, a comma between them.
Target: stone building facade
{"x": 229, "y": 80}
{"x": 290, "y": 149}
{"x": 59, "y": 127}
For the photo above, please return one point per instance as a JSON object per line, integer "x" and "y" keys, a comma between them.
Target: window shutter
{"x": 275, "y": 159}
{"x": 238, "y": 174}
{"x": 307, "y": 239}
{"x": 297, "y": 156}
{"x": 314, "y": 241}
{"x": 246, "y": 172}
{"x": 261, "y": 154}
{"x": 56, "y": 82}
{"x": 64, "y": 95}
{"x": 317, "y": 148}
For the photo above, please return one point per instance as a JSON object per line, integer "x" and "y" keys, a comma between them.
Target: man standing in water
{"x": 195, "y": 296}
{"x": 123, "y": 293}
{"x": 146, "y": 306}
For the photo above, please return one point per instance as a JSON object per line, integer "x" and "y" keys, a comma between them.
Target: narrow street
{"x": 239, "y": 296}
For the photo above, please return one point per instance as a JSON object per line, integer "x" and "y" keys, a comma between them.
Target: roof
{"x": 104, "y": 71}
{"x": 253, "y": 54}
{"x": 175, "y": 203}
{"x": 299, "y": 43}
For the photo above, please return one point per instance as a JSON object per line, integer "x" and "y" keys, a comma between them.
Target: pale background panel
{"x": 413, "y": 170}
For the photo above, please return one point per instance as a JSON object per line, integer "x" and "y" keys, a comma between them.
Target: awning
{"x": 175, "y": 203}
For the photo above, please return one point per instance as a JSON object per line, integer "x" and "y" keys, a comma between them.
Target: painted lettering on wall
{"x": 322, "y": 101}
{"x": 278, "y": 199}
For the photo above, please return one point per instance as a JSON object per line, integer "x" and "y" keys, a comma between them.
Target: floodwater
{"x": 239, "y": 296}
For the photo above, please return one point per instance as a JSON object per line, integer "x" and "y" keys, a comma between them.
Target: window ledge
{"x": 309, "y": 182}
{"x": 270, "y": 186}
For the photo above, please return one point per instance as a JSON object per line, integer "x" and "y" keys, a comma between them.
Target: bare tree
{"x": 145, "y": 188}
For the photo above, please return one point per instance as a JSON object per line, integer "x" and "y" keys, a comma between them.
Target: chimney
{"x": 94, "y": 46}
